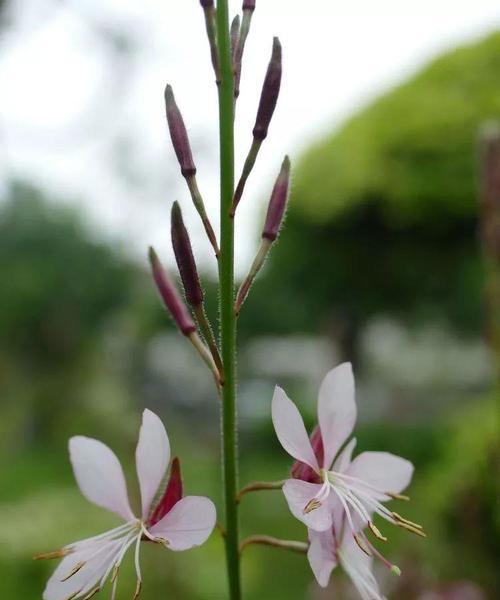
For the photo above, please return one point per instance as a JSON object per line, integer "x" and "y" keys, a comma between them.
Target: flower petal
{"x": 343, "y": 460}
{"x": 96, "y": 558}
{"x": 358, "y": 566}
{"x": 336, "y": 410}
{"x": 290, "y": 429}
{"x": 151, "y": 457}
{"x": 321, "y": 555}
{"x": 99, "y": 475}
{"x": 382, "y": 470}
{"x": 188, "y": 524}
{"x": 298, "y": 494}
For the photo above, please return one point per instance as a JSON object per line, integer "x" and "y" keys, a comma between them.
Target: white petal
{"x": 321, "y": 555}
{"x": 290, "y": 429}
{"x": 358, "y": 566}
{"x": 152, "y": 457}
{"x": 336, "y": 410}
{"x": 97, "y": 559}
{"x": 382, "y": 470}
{"x": 99, "y": 475}
{"x": 343, "y": 460}
{"x": 298, "y": 494}
{"x": 188, "y": 524}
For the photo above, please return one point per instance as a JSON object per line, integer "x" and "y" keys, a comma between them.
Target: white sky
{"x": 73, "y": 115}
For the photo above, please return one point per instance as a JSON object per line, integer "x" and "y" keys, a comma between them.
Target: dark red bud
{"x": 170, "y": 297}
{"x": 178, "y": 134}
{"x": 270, "y": 93}
{"x": 277, "y": 203}
{"x": 184, "y": 258}
{"x": 304, "y": 472}
{"x": 172, "y": 494}
{"x": 248, "y": 4}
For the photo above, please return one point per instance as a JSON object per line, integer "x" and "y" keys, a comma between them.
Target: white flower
{"x": 359, "y": 487}
{"x": 176, "y": 522}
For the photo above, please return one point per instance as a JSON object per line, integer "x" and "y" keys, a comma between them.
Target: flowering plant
{"x": 334, "y": 495}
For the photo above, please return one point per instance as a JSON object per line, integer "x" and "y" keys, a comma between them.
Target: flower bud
{"x": 207, "y": 3}
{"x": 277, "y": 203}
{"x": 270, "y": 92}
{"x": 248, "y": 4}
{"x": 178, "y": 133}
{"x": 170, "y": 297}
{"x": 172, "y": 494}
{"x": 235, "y": 34}
{"x": 184, "y": 258}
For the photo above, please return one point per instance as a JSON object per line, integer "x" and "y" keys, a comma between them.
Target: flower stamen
{"x": 74, "y": 570}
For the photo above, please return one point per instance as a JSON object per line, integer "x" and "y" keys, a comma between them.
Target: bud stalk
{"x": 267, "y": 105}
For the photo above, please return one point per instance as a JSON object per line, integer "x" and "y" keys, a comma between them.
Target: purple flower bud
{"x": 178, "y": 133}
{"x": 270, "y": 92}
{"x": 170, "y": 296}
{"x": 277, "y": 203}
{"x": 207, "y": 3}
{"x": 184, "y": 257}
{"x": 248, "y": 4}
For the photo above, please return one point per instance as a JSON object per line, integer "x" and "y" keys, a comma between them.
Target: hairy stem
{"x": 227, "y": 317}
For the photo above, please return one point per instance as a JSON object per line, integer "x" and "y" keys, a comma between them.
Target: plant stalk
{"x": 226, "y": 302}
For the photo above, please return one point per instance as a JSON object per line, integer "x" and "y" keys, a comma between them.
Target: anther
{"x": 50, "y": 555}
{"x": 408, "y": 522}
{"x": 138, "y": 589}
{"x": 376, "y": 532}
{"x": 398, "y": 496}
{"x": 74, "y": 570}
{"x": 361, "y": 543}
{"x": 311, "y": 505}
{"x": 92, "y": 593}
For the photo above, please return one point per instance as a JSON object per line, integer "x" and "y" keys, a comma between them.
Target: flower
{"x": 326, "y": 551}
{"x": 177, "y": 522}
{"x": 325, "y": 479}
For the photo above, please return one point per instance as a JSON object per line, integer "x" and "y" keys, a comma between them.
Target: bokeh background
{"x": 381, "y": 263}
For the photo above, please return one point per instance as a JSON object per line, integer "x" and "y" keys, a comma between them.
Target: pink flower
{"x": 325, "y": 481}
{"x": 176, "y": 522}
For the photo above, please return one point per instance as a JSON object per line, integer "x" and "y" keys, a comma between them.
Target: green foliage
{"x": 383, "y": 213}
{"x": 458, "y": 497}
{"x": 412, "y": 150}
{"x": 62, "y": 285}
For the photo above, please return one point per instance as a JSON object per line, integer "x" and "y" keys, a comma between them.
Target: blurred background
{"x": 382, "y": 262}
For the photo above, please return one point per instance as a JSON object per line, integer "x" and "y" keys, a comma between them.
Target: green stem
{"x": 227, "y": 317}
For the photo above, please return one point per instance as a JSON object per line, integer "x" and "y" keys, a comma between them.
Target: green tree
{"x": 390, "y": 201}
